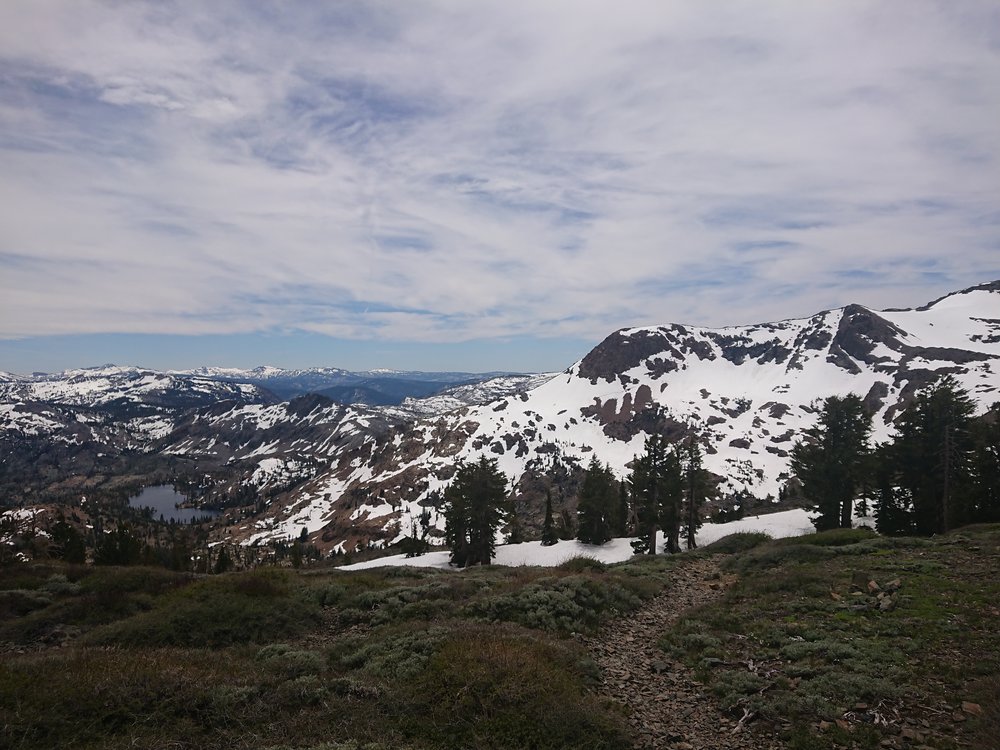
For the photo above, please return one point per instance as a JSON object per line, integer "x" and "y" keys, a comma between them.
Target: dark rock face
{"x": 303, "y": 406}
{"x": 776, "y": 410}
{"x": 619, "y": 352}
{"x": 738, "y": 349}
{"x": 875, "y": 397}
{"x": 860, "y": 331}
{"x": 622, "y": 350}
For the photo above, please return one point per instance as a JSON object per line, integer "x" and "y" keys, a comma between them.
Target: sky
{"x": 487, "y": 185}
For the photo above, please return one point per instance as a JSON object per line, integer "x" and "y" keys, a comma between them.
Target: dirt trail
{"x": 667, "y": 708}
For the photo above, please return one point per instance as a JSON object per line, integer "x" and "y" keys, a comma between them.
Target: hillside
{"x": 356, "y": 475}
{"x": 833, "y": 640}
{"x": 747, "y": 392}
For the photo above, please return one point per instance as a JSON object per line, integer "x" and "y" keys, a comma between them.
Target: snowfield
{"x": 783, "y": 524}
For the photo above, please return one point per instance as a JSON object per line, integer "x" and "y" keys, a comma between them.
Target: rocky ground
{"x": 667, "y": 707}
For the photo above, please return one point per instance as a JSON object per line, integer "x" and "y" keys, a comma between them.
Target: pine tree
{"x": 933, "y": 451}
{"x": 697, "y": 488}
{"x": 474, "y": 511}
{"x": 549, "y": 536}
{"x": 655, "y": 482}
{"x": 985, "y": 492}
{"x": 119, "y": 547}
{"x": 223, "y": 562}
{"x": 893, "y": 511}
{"x": 67, "y": 542}
{"x": 596, "y": 504}
{"x": 622, "y": 516}
{"x": 830, "y": 463}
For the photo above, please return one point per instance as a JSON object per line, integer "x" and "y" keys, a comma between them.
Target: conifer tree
{"x": 119, "y": 547}
{"x": 622, "y": 515}
{"x": 697, "y": 488}
{"x": 474, "y": 511}
{"x": 985, "y": 493}
{"x": 596, "y": 504}
{"x": 223, "y": 562}
{"x": 655, "y": 482}
{"x": 830, "y": 463}
{"x": 549, "y": 535}
{"x": 67, "y": 542}
{"x": 893, "y": 511}
{"x": 933, "y": 452}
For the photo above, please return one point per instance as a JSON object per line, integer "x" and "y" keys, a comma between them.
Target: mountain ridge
{"x": 354, "y": 475}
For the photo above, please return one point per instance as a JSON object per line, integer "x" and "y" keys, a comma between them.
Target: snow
{"x": 783, "y": 524}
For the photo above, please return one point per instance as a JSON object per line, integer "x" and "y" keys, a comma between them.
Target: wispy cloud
{"x": 436, "y": 171}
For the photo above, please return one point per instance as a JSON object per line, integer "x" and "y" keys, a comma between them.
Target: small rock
{"x": 835, "y": 596}
{"x": 658, "y": 667}
{"x": 958, "y": 716}
{"x": 911, "y": 734}
{"x": 824, "y": 726}
{"x": 972, "y": 708}
{"x": 860, "y": 706}
{"x": 873, "y": 587}
{"x": 683, "y": 746}
{"x": 887, "y": 604}
{"x": 894, "y": 585}
{"x": 845, "y": 725}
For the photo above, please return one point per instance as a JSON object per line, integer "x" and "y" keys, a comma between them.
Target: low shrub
{"x": 741, "y": 541}
{"x": 243, "y": 608}
{"x": 563, "y": 605}
{"x": 831, "y": 538}
{"x": 307, "y": 690}
{"x": 582, "y": 564}
{"x": 397, "y": 653}
{"x": 290, "y": 662}
{"x": 495, "y": 687}
{"x": 773, "y": 554}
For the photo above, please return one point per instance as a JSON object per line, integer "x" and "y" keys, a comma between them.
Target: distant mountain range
{"x": 373, "y": 387}
{"x": 350, "y": 474}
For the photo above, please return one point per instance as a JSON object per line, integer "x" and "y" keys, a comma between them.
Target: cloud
{"x": 434, "y": 171}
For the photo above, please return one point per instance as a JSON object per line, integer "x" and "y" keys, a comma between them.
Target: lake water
{"x": 163, "y": 500}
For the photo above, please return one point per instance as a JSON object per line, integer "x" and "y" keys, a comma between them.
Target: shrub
{"x": 773, "y": 554}
{"x": 243, "y": 608}
{"x": 394, "y": 654}
{"x": 19, "y": 602}
{"x": 582, "y": 564}
{"x": 830, "y": 538}
{"x": 565, "y": 605}
{"x": 291, "y": 663}
{"x": 59, "y": 585}
{"x": 307, "y": 690}
{"x": 741, "y": 541}
{"x": 495, "y": 687}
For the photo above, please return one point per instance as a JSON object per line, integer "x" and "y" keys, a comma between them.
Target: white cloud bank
{"x": 444, "y": 171}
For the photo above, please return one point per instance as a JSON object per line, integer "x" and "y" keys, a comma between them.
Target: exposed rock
{"x": 973, "y": 709}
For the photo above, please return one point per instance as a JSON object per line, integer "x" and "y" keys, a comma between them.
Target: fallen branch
{"x": 747, "y": 714}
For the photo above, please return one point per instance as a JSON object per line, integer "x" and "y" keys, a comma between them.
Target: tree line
{"x": 940, "y": 470}
{"x": 665, "y": 491}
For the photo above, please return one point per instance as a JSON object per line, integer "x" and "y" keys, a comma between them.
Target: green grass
{"x": 795, "y": 642}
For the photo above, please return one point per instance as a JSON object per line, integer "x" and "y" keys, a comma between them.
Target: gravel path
{"x": 667, "y": 708}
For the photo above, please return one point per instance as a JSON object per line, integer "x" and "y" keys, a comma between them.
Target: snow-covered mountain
{"x": 379, "y": 387}
{"x": 748, "y": 392}
{"x": 352, "y": 474}
{"x": 113, "y": 384}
